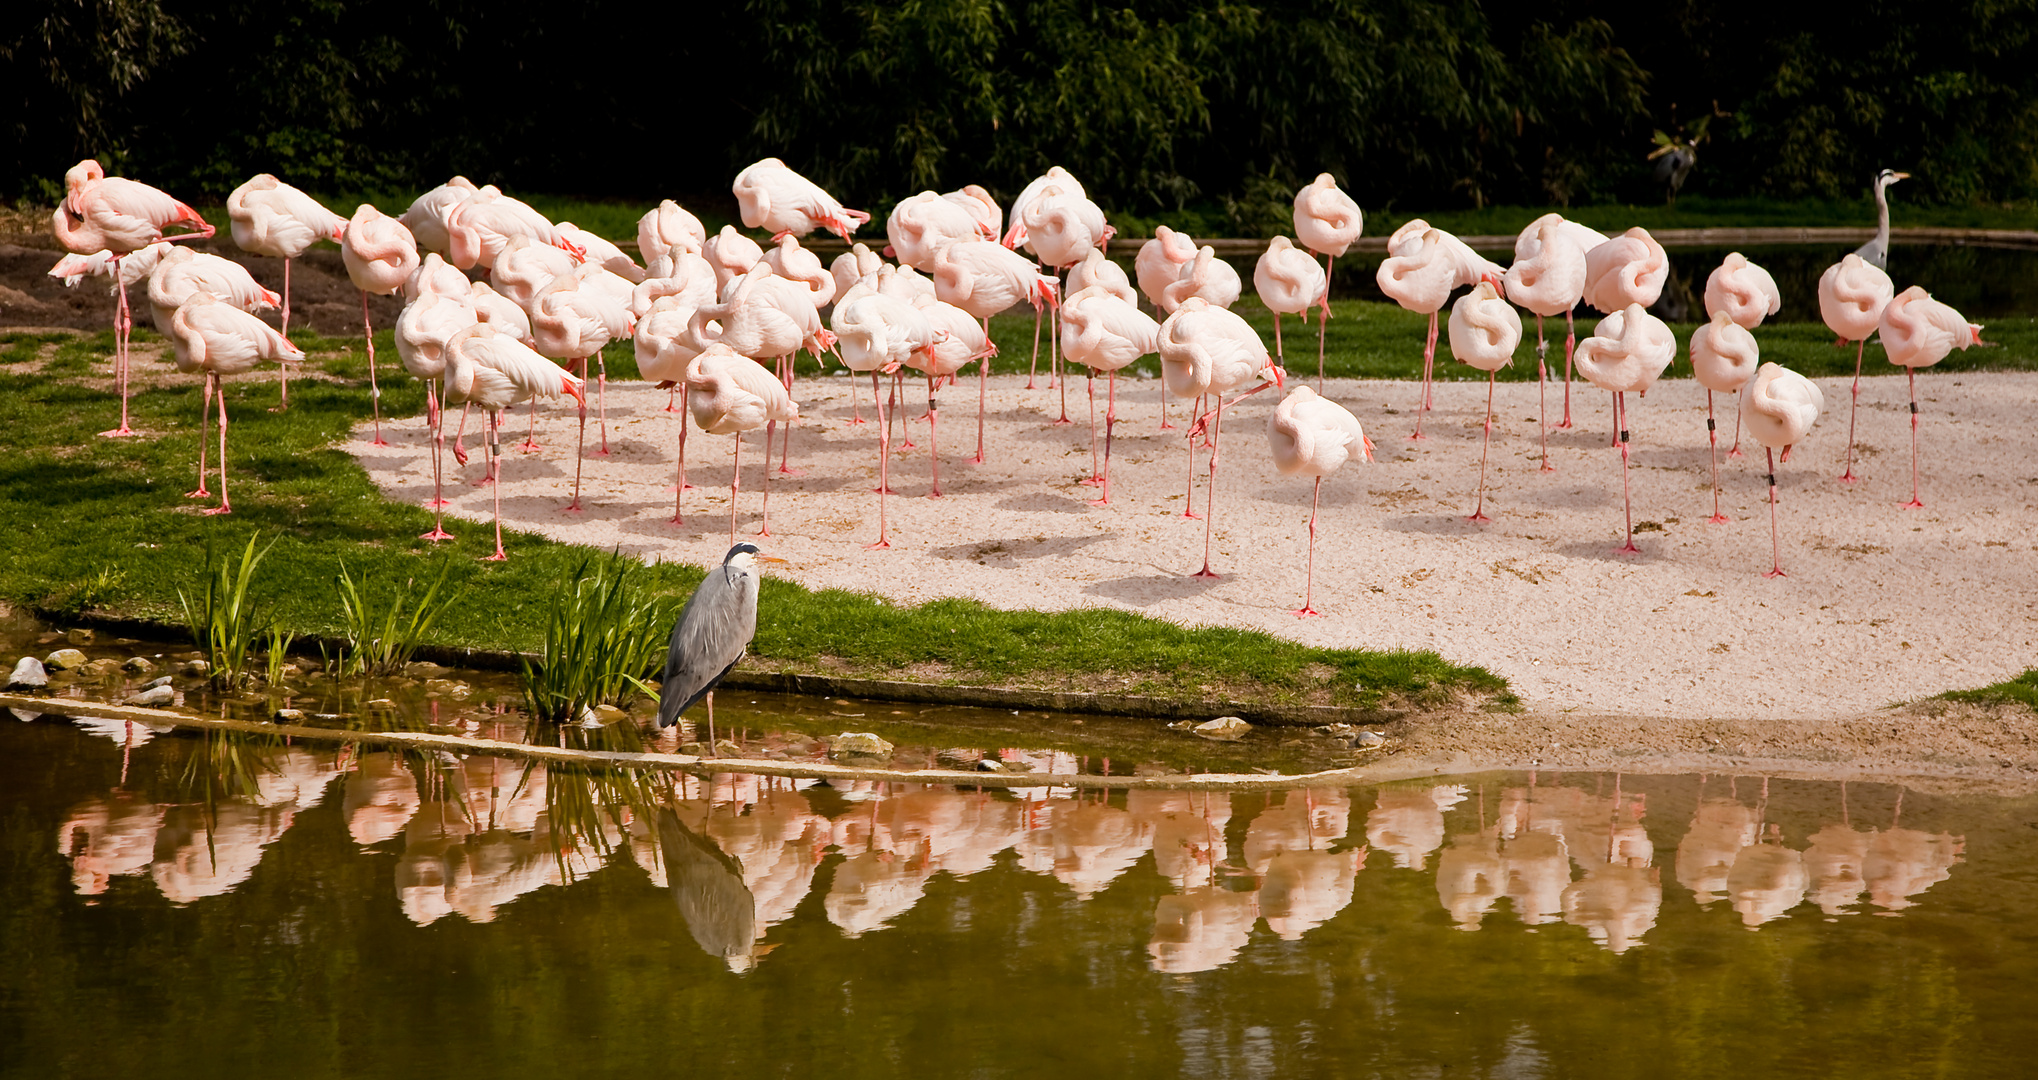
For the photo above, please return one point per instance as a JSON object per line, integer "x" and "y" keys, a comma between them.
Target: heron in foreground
{"x": 712, "y": 634}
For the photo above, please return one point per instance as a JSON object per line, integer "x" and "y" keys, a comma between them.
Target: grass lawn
{"x": 103, "y": 524}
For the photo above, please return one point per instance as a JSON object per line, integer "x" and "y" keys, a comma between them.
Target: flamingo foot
{"x": 485, "y": 479}
{"x": 201, "y": 493}
{"x": 1205, "y": 572}
{"x": 856, "y": 421}
{"x": 436, "y": 535}
{"x": 1848, "y": 477}
{"x": 1628, "y": 549}
{"x": 529, "y": 446}
{"x": 222, "y": 508}
{"x": 1097, "y": 502}
{"x": 378, "y": 440}
{"x": 1417, "y": 435}
{"x": 603, "y": 452}
{"x": 1547, "y": 467}
{"x": 1091, "y": 481}
{"x": 881, "y": 543}
{"x": 1718, "y": 519}
{"x": 1478, "y": 518}
{"x": 783, "y": 470}
{"x": 436, "y": 503}
{"x": 1735, "y": 452}
{"x": 121, "y": 432}
{"x": 977, "y": 460}
{"x": 499, "y": 556}
{"x": 1306, "y": 613}
{"x": 1778, "y": 572}
{"x": 1064, "y": 420}
{"x": 573, "y": 507}
{"x": 1192, "y": 515}
{"x": 1913, "y": 505}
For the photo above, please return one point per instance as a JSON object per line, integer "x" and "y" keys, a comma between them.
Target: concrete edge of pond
{"x": 891, "y": 690}
{"x": 421, "y": 740}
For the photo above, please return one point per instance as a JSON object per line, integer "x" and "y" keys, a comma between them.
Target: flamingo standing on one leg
{"x": 665, "y": 231}
{"x": 480, "y": 227}
{"x": 876, "y": 331}
{"x": 572, "y": 321}
{"x": 114, "y": 214}
{"x": 423, "y": 329}
{"x": 380, "y": 255}
{"x": 1918, "y": 331}
{"x": 1548, "y": 277}
{"x": 1158, "y": 265}
{"x": 1312, "y": 435}
{"x": 1627, "y": 351}
{"x": 1724, "y": 357}
{"x": 665, "y": 345}
{"x": 1852, "y": 294}
{"x": 213, "y": 336}
{"x": 1780, "y": 407}
{"x": 427, "y": 214}
{"x": 1748, "y": 295}
{"x": 1628, "y": 269}
{"x": 1420, "y": 277}
{"x": 1105, "y": 331}
{"x": 1288, "y": 281}
{"x": 1584, "y": 239}
{"x": 957, "y": 341}
{"x": 1206, "y": 349}
{"x": 183, "y": 272}
{"x": 493, "y": 370}
{"x": 766, "y": 317}
{"x": 984, "y": 278}
{"x": 1484, "y": 333}
{"x": 1061, "y": 228}
{"x": 1326, "y": 221}
{"x": 774, "y": 198}
{"x": 270, "y": 217}
{"x": 729, "y": 394}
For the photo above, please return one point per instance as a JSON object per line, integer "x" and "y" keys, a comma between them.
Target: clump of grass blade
{"x": 384, "y": 632}
{"x": 226, "y": 621}
{"x": 605, "y": 636}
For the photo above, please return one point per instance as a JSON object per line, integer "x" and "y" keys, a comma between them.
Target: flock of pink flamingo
{"x": 704, "y": 313}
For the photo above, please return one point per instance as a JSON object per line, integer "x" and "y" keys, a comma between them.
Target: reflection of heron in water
{"x": 708, "y": 885}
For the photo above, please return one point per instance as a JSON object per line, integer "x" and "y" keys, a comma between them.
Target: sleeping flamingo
{"x": 789, "y": 260}
{"x": 920, "y": 223}
{"x": 1724, "y": 357}
{"x": 572, "y": 321}
{"x": 1484, "y": 333}
{"x": 1852, "y": 294}
{"x": 1627, "y": 351}
{"x": 984, "y": 279}
{"x": 1530, "y": 245}
{"x": 665, "y": 344}
{"x": 183, "y": 271}
{"x": 1748, "y": 295}
{"x": 380, "y": 255}
{"x": 423, "y": 329}
{"x": 1312, "y": 435}
{"x": 426, "y": 217}
{"x": 1327, "y": 221}
{"x": 1918, "y": 331}
{"x": 1628, "y": 269}
{"x": 774, "y": 198}
{"x": 1105, "y": 331}
{"x": 1206, "y": 349}
{"x": 665, "y": 230}
{"x": 1420, "y": 277}
{"x": 213, "y": 336}
{"x": 876, "y": 331}
{"x": 767, "y": 317}
{"x": 270, "y": 217}
{"x": 118, "y": 215}
{"x": 1158, "y": 265}
{"x": 984, "y": 210}
{"x": 1548, "y": 278}
{"x": 1288, "y": 281}
{"x": 732, "y": 254}
{"x": 958, "y": 341}
{"x": 1061, "y": 228}
{"x": 1056, "y": 177}
{"x": 729, "y": 394}
{"x": 493, "y": 370}
{"x": 600, "y": 252}
{"x": 479, "y": 227}
{"x": 1779, "y": 407}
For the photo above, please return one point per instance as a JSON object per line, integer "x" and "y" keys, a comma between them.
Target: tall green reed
{"x": 605, "y": 636}
{"x": 226, "y": 621}
{"x": 384, "y": 631}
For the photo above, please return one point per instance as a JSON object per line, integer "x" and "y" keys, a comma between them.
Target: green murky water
{"x": 197, "y": 906}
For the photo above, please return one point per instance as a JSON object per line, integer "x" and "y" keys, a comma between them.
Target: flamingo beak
{"x": 1499, "y": 286}
{"x": 567, "y": 387}
{"x": 1369, "y": 448}
{"x": 1279, "y": 376}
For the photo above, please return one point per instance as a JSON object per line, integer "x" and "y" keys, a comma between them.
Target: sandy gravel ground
{"x": 1881, "y": 604}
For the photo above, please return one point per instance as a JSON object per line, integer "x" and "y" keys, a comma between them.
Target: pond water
{"x": 181, "y": 905}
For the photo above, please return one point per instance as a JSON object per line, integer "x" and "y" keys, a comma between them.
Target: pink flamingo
{"x": 426, "y": 217}
{"x": 495, "y": 371}
{"x": 183, "y": 271}
{"x": 572, "y": 321}
{"x": 665, "y": 345}
{"x": 380, "y": 256}
{"x": 1327, "y": 221}
{"x": 1158, "y": 265}
{"x": 423, "y": 329}
{"x": 958, "y": 341}
{"x": 1548, "y": 277}
{"x": 623, "y": 298}
{"x": 1061, "y": 229}
{"x": 1779, "y": 407}
{"x": 730, "y": 394}
{"x": 479, "y": 228}
{"x": 1627, "y": 351}
{"x": 1288, "y": 281}
{"x": 766, "y": 317}
{"x": 923, "y": 222}
{"x": 213, "y": 336}
{"x": 1748, "y": 295}
{"x": 665, "y": 231}
{"x": 774, "y": 198}
{"x": 1484, "y": 333}
{"x": 789, "y": 260}
{"x": 732, "y": 254}
{"x": 1420, "y": 277}
{"x": 984, "y": 279}
{"x": 1206, "y": 349}
{"x": 435, "y": 275}
{"x": 118, "y": 215}
{"x": 1313, "y": 436}
{"x": 1724, "y": 357}
{"x": 1918, "y": 331}
{"x": 269, "y": 217}
{"x": 1055, "y": 177}
{"x": 1628, "y": 269}
{"x": 135, "y": 266}
{"x": 600, "y": 252}
{"x": 877, "y": 332}
{"x": 984, "y": 210}
{"x": 1105, "y": 331}
{"x": 1852, "y": 294}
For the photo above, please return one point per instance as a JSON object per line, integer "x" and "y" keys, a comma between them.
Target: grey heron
{"x": 712, "y": 634}
{"x": 1876, "y": 251}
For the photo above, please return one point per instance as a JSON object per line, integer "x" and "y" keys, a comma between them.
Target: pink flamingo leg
{"x": 1627, "y": 500}
{"x": 897, "y": 408}
{"x": 1323, "y": 321}
{"x": 1054, "y": 362}
{"x": 785, "y": 447}
{"x": 1543, "y": 394}
{"x": 1429, "y": 352}
{"x": 374, "y": 388}
{"x": 225, "y": 504}
{"x": 1486, "y": 439}
{"x": 1735, "y": 451}
{"x": 1210, "y": 505}
{"x": 436, "y": 417}
{"x": 1775, "y": 544}
{"x": 1308, "y": 607}
{"x": 580, "y": 445}
{"x": 204, "y": 422}
{"x": 764, "y": 521}
{"x": 283, "y": 404}
{"x": 884, "y": 458}
{"x": 1096, "y": 472}
{"x": 1189, "y": 499}
{"x": 1910, "y": 371}
{"x": 1033, "y": 368}
{"x": 855, "y": 405}
{"x": 123, "y": 323}
{"x": 1165, "y": 425}
{"x": 1570, "y": 343}
{"x": 1712, "y": 438}
{"x": 735, "y": 481}
{"x": 1279, "y": 359}
{"x": 601, "y": 399}
{"x": 495, "y": 479}
{"x": 530, "y": 443}
{"x": 679, "y": 489}
{"x": 1110, "y": 424}
{"x": 672, "y": 397}
{"x": 1853, "y": 406}
{"x": 983, "y": 389}
{"x": 933, "y": 446}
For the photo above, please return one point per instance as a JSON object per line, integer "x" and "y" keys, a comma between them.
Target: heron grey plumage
{"x": 719, "y": 910}
{"x": 1876, "y": 251}
{"x": 713, "y": 632}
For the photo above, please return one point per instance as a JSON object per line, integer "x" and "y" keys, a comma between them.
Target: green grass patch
{"x": 104, "y": 524}
{"x": 2022, "y": 690}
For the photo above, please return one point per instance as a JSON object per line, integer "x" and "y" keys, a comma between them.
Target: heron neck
{"x": 1882, "y": 215}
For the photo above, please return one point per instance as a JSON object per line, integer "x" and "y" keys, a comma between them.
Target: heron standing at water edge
{"x": 712, "y": 634}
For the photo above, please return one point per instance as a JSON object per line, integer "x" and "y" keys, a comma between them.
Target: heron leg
{"x": 204, "y": 421}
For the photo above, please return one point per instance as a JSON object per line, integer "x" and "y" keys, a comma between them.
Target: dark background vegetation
{"x": 1154, "y": 104}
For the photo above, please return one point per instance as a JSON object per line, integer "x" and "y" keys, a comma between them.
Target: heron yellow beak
{"x": 771, "y": 559}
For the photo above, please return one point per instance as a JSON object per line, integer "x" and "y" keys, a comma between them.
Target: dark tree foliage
{"x": 1153, "y": 103}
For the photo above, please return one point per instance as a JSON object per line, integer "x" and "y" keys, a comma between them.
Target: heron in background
{"x": 712, "y": 634}
{"x": 1876, "y": 251}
